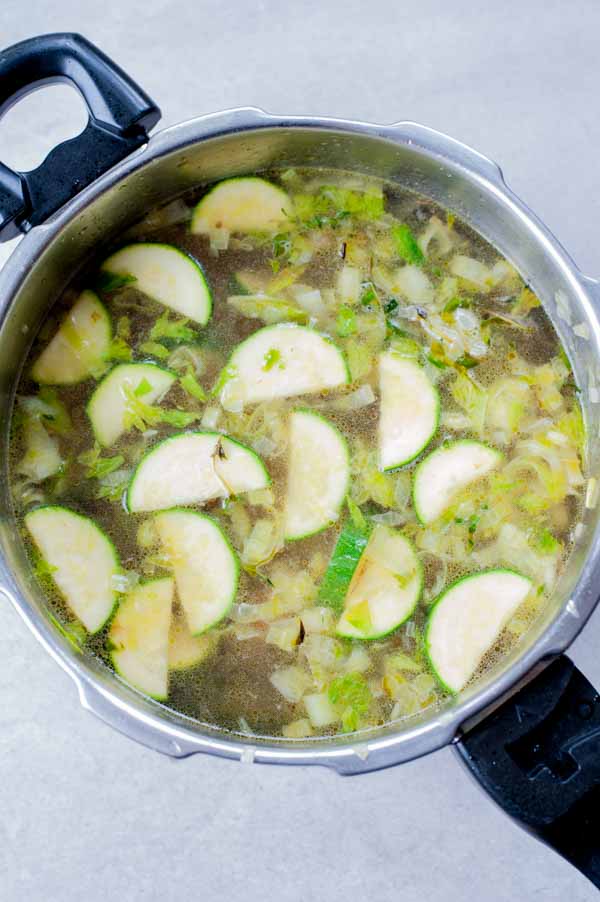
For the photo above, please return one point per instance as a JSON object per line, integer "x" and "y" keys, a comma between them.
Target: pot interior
{"x": 197, "y": 153}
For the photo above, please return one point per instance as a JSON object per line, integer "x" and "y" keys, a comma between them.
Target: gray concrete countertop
{"x": 86, "y": 814}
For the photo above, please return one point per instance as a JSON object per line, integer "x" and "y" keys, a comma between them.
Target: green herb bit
{"x": 272, "y": 357}
{"x": 142, "y": 389}
{"x": 369, "y": 296}
{"x": 346, "y": 321}
{"x": 547, "y": 543}
{"x": 190, "y": 384}
{"x": 390, "y": 305}
{"x": 352, "y": 697}
{"x": 176, "y": 330}
{"x": 120, "y": 350}
{"x": 154, "y": 349}
{"x": 58, "y": 420}
{"x": 98, "y": 466}
{"x": 140, "y": 415}
{"x": 356, "y": 515}
{"x": 406, "y": 244}
{"x": 456, "y": 302}
{"x": 228, "y": 373}
{"x": 467, "y": 361}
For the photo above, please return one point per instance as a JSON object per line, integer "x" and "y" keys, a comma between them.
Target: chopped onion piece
{"x": 471, "y": 271}
{"x": 292, "y": 682}
{"x": 320, "y": 710}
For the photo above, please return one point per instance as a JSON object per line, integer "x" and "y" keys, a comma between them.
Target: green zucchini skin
{"x": 345, "y": 559}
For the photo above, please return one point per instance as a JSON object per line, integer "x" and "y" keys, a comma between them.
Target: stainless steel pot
{"x": 61, "y": 236}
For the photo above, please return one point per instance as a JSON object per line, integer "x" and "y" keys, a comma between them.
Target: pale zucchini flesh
{"x": 167, "y": 275}
{"x": 82, "y": 560}
{"x": 448, "y": 470}
{"x": 385, "y": 588}
{"x": 185, "y": 650}
{"x": 204, "y": 564}
{"x": 241, "y": 205}
{"x": 409, "y": 410}
{"x": 192, "y": 468}
{"x": 318, "y": 475}
{"x": 79, "y": 348}
{"x": 466, "y": 621}
{"x": 282, "y": 361}
{"x": 108, "y": 405}
{"x": 139, "y": 637}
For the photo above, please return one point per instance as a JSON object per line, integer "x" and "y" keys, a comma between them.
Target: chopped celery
{"x": 190, "y": 384}
{"x": 332, "y": 204}
{"x": 351, "y": 695}
{"x": 406, "y": 244}
{"x": 472, "y": 398}
{"x": 154, "y": 349}
{"x": 174, "y": 329}
{"x": 272, "y": 357}
{"x": 356, "y": 515}
{"x": 404, "y": 346}
{"x": 98, "y": 466}
{"x": 360, "y": 359}
{"x": 346, "y": 321}
{"x": 268, "y": 309}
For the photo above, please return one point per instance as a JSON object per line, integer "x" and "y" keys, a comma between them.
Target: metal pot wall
{"x": 529, "y": 729}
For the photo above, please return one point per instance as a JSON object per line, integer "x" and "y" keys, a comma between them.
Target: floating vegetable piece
{"x": 347, "y": 553}
{"x": 241, "y": 205}
{"x": 409, "y": 412}
{"x": 139, "y": 637}
{"x": 308, "y": 363}
{"x": 446, "y": 471}
{"x": 467, "y": 619}
{"x": 167, "y": 275}
{"x": 81, "y": 559}
{"x": 109, "y": 403}
{"x": 192, "y": 468}
{"x": 204, "y": 564}
{"x": 385, "y": 589}
{"x": 79, "y": 348}
{"x": 318, "y": 475}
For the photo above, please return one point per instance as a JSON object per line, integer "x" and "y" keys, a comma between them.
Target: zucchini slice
{"x": 185, "y": 650}
{"x": 79, "y": 347}
{"x": 409, "y": 413}
{"x": 318, "y": 475}
{"x": 282, "y": 361}
{"x": 242, "y": 205}
{"x": 385, "y": 589}
{"x": 467, "y": 619}
{"x": 343, "y": 563}
{"x": 191, "y": 468}
{"x": 204, "y": 563}
{"x": 139, "y": 636}
{"x": 448, "y": 470}
{"x": 167, "y": 275}
{"x": 82, "y": 559}
{"x": 108, "y": 405}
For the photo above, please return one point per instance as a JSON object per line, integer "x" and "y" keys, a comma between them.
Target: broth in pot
{"x": 301, "y": 456}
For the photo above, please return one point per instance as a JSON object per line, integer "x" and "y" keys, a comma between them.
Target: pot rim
{"x": 364, "y": 753}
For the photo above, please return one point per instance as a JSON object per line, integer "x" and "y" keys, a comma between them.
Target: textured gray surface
{"x": 86, "y": 814}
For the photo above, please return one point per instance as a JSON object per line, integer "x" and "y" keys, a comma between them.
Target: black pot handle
{"x": 120, "y": 116}
{"x": 538, "y": 756}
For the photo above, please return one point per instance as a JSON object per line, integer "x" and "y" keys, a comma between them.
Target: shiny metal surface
{"x": 241, "y": 141}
